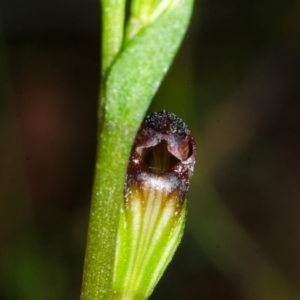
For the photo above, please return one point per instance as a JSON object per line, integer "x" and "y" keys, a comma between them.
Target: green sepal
{"x": 150, "y": 231}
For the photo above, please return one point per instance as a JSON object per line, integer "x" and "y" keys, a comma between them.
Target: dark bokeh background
{"x": 235, "y": 81}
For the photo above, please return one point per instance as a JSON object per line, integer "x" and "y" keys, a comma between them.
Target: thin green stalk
{"x": 113, "y": 16}
{"x": 104, "y": 219}
{"x": 98, "y": 274}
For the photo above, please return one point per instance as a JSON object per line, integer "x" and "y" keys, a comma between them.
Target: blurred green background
{"x": 235, "y": 82}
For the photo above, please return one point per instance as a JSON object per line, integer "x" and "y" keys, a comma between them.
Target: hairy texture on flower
{"x": 163, "y": 154}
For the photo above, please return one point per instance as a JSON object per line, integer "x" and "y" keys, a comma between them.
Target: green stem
{"x": 113, "y": 16}
{"x": 106, "y": 199}
{"x": 108, "y": 186}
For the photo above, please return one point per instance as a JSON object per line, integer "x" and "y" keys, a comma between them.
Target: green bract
{"x": 149, "y": 233}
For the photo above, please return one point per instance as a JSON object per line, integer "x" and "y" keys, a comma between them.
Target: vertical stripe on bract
{"x": 143, "y": 239}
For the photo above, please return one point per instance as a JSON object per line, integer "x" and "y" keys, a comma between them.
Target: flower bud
{"x": 153, "y": 213}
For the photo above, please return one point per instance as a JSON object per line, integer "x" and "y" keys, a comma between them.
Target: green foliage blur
{"x": 235, "y": 83}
